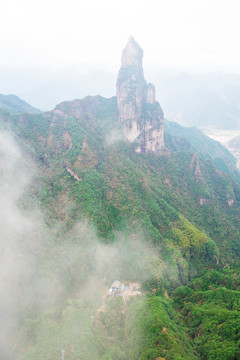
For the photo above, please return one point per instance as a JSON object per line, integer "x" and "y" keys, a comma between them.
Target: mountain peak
{"x": 140, "y": 115}
{"x": 132, "y": 53}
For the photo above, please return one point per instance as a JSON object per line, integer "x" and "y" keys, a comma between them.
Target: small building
{"x": 116, "y": 286}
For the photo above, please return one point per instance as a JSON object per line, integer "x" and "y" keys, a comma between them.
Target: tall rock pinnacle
{"x": 132, "y": 54}
{"x": 139, "y": 113}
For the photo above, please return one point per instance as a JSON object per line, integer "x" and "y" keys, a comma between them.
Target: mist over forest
{"x": 119, "y": 180}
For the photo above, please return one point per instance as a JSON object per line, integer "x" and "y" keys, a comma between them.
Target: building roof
{"x": 117, "y": 284}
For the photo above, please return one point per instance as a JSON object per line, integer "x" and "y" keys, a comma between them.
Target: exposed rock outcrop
{"x": 197, "y": 169}
{"x": 203, "y": 201}
{"x": 73, "y": 174}
{"x": 139, "y": 113}
{"x": 230, "y": 200}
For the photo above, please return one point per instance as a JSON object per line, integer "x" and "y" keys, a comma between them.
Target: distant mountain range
{"x": 82, "y": 205}
{"x": 203, "y": 100}
{"x": 206, "y": 100}
{"x": 15, "y": 105}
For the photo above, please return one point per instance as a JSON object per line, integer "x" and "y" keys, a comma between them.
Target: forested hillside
{"x": 15, "y": 105}
{"x": 104, "y": 212}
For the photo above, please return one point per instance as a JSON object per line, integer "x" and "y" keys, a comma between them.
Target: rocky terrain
{"x": 82, "y": 208}
{"x": 140, "y": 114}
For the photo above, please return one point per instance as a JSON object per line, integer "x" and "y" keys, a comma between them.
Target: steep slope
{"x": 234, "y": 146}
{"x": 207, "y": 147}
{"x": 178, "y": 215}
{"x": 210, "y": 304}
{"x": 82, "y": 208}
{"x": 140, "y": 115}
{"x": 14, "y": 104}
{"x": 72, "y": 145}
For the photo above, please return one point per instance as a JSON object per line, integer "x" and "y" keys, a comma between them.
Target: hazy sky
{"x": 185, "y": 34}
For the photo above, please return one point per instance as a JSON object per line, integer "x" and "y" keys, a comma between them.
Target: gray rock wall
{"x": 139, "y": 113}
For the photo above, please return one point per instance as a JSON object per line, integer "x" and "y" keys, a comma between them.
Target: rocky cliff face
{"x": 139, "y": 113}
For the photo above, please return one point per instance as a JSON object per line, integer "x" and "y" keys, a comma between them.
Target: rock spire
{"x": 139, "y": 113}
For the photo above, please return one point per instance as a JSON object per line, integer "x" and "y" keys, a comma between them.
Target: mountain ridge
{"x": 96, "y": 210}
{"x": 180, "y": 204}
{"x": 14, "y": 104}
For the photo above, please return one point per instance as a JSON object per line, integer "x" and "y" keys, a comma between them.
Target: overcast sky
{"x": 184, "y": 34}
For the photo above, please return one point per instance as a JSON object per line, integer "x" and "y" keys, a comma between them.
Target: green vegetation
{"x": 207, "y": 147}
{"x": 158, "y": 332}
{"x": 210, "y": 304}
{"x": 14, "y": 104}
{"x": 170, "y": 223}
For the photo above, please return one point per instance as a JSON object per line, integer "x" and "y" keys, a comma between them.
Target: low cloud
{"x": 39, "y": 269}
